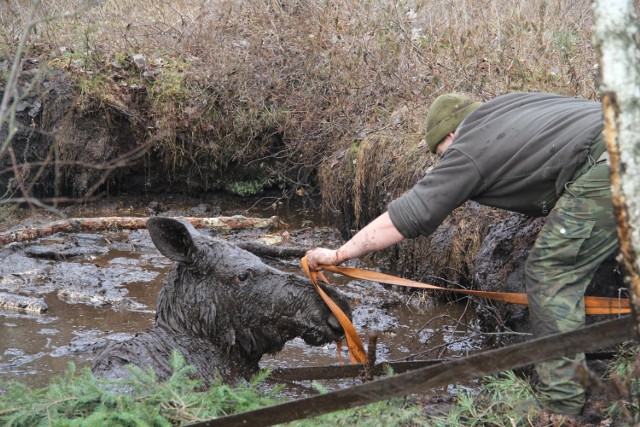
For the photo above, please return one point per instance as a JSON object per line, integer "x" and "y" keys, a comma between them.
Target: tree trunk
{"x": 616, "y": 37}
{"x": 75, "y": 225}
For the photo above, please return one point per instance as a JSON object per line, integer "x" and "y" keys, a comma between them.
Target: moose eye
{"x": 243, "y": 277}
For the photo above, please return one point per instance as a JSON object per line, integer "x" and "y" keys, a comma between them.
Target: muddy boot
{"x": 559, "y": 391}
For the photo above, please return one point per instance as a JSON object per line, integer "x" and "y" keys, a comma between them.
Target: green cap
{"x": 445, "y": 115}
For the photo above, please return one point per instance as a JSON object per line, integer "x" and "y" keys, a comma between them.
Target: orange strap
{"x": 593, "y": 305}
{"x": 357, "y": 354}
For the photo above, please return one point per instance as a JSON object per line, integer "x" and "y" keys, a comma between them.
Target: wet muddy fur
{"x": 222, "y": 308}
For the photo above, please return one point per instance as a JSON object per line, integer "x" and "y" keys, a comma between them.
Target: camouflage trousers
{"x": 578, "y": 235}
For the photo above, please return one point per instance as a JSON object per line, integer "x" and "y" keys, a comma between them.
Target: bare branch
{"x": 10, "y": 86}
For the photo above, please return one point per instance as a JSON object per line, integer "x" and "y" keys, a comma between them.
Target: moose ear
{"x": 172, "y": 237}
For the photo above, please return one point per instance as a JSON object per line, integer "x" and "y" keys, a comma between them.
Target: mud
{"x": 99, "y": 288}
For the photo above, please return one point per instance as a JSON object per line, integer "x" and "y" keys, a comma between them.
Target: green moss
{"x": 94, "y": 87}
{"x": 565, "y": 40}
{"x": 169, "y": 84}
{"x": 247, "y": 188}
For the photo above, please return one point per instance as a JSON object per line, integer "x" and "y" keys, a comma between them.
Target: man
{"x": 533, "y": 153}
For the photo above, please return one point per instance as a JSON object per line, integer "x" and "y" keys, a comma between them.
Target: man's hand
{"x": 321, "y": 256}
{"x": 378, "y": 234}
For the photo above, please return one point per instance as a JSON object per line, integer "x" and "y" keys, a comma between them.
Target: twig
{"x": 10, "y": 86}
{"x": 18, "y": 176}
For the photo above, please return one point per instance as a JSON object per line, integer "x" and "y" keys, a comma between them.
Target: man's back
{"x": 515, "y": 152}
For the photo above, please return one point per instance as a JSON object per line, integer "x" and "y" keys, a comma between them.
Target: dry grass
{"x": 315, "y": 96}
{"x": 236, "y": 79}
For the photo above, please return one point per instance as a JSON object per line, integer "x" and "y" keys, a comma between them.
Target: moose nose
{"x": 334, "y": 323}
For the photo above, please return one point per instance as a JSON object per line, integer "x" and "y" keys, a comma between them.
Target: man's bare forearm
{"x": 377, "y": 235}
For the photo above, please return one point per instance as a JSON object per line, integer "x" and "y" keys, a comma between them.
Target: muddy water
{"x": 103, "y": 287}
{"x": 407, "y": 328}
{"x": 82, "y": 315}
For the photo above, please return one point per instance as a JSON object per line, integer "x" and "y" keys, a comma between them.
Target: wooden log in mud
{"x": 266, "y": 250}
{"x": 76, "y": 225}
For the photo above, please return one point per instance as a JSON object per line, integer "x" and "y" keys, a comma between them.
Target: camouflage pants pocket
{"x": 560, "y": 244}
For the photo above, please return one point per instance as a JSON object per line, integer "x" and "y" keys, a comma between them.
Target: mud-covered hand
{"x": 321, "y": 256}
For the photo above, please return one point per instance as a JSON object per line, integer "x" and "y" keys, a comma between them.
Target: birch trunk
{"x": 616, "y": 37}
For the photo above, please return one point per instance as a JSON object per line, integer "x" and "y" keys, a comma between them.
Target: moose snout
{"x": 334, "y": 323}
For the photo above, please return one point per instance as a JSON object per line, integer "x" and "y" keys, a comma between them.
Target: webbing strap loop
{"x": 357, "y": 353}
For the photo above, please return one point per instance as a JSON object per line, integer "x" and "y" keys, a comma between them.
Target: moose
{"x": 222, "y": 308}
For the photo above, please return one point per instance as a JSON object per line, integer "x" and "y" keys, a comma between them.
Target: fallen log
{"x": 599, "y": 335}
{"x": 335, "y": 372}
{"x": 76, "y": 225}
{"x": 272, "y": 251}
{"x": 356, "y": 370}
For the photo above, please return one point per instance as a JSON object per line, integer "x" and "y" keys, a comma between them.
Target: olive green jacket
{"x": 515, "y": 152}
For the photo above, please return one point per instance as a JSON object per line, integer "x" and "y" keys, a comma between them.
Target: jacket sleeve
{"x": 454, "y": 180}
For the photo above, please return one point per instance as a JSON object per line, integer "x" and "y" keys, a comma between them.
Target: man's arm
{"x": 377, "y": 235}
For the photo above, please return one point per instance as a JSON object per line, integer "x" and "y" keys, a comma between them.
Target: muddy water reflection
{"x": 35, "y": 347}
{"x": 107, "y": 291}
{"x": 82, "y": 298}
